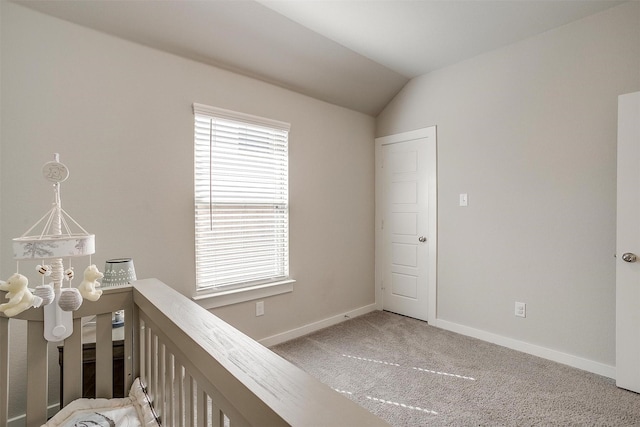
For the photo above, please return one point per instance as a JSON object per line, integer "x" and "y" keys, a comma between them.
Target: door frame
{"x": 432, "y": 177}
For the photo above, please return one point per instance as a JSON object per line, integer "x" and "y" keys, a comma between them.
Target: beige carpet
{"x": 412, "y": 374}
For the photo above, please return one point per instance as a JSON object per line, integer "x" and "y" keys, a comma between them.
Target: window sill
{"x": 235, "y": 296}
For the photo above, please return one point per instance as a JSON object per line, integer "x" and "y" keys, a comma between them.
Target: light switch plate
{"x": 464, "y": 199}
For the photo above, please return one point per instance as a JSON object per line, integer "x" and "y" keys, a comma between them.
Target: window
{"x": 241, "y": 200}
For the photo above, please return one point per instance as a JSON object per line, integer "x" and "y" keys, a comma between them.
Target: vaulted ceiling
{"x": 353, "y": 53}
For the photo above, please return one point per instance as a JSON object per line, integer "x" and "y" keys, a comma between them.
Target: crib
{"x": 197, "y": 369}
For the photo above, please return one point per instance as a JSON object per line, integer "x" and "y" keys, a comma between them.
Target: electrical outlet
{"x": 260, "y": 308}
{"x": 521, "y": 309}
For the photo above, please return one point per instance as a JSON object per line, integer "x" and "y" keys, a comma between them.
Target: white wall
{"x": 120, "y": 116}
{"x": 529, "y": 132}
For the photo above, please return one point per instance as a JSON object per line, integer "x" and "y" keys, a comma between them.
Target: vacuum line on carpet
{"x": 390, "y": 402}
{"x": 370, "y": 360}
{"x": 415, "y": 408}
{"x": 364, "y": 359}
{"x": 444, "y": 373}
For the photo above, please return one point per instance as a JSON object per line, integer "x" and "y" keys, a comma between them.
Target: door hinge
{"x": 382, "y": 224}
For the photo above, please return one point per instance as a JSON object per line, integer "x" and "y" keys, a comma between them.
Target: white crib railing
{"x": 199, "y": 370}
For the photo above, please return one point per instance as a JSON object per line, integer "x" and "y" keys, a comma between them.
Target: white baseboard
{"x": 315, "y": 326}
{"x": 21, "y": 420}
{"x": 535, "y": 350}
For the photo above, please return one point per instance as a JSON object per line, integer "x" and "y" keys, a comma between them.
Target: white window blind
{"x": 241, "y": 199}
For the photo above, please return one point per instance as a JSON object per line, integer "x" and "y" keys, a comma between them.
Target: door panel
{"x": 404, "y": 285}
{"x": 406, "y": 255}
{"x": 628, "y": 242}
{"x": 403, "y": 223}
{"x": 406, "y": 161}
{"x": 404, "y": 192}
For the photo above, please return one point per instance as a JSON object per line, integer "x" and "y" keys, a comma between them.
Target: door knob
{"x": 629, "y": 257}
{"x": 422, "y": 239}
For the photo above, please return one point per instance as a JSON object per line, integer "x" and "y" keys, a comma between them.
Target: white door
{"x": 406, "y": 223}
{"x": 628, "y": 244}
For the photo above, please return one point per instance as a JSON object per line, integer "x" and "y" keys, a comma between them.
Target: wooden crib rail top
{"x": 264, "y": 387}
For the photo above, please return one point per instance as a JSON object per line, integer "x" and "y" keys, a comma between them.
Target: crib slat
{"x": 168, "y": 390}
{"x": 132, "y": 360}
{"x": 155, "y": 374}
{"x": 72, "y": 377}
{"x": 188, "y": 401}
{"x": 179, "y": 385}
{"x": 145, "y": 354}
{"x": 162, "y": 378}
{"x": 178, "y": 397}
{"x": 36, "y": 374}
{"x": 149, "y": 349}
{"x": 153, "y": 364}
{"x": 201, "y": 404}
{"x": 4, "y": 370}
{"x": 140, "y": 354}
{"x": 104, "y": 356}
{"x": 217, "y": 417}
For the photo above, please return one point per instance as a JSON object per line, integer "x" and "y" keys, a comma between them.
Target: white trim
{"x": 378, "y": 275}
{"x": 316, "y": 326}
{"x": 237, "y": 116}
{"x": 535, "y": 350}
{"x": 407, "y": 136}
{"x": 431, "y": 135}
{"x": 235, "y": 296}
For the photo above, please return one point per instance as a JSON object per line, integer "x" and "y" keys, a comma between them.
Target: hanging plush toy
{"x": 44, "y": 269}
{"x": 44, "y": 291}
{"x": 70, "y": 299}
{"x": 88, "y": 285}
{"x": 19, "y": 296}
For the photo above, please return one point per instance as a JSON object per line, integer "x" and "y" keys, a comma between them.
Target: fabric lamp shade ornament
{"x": 55, "y": 239}
{"x": 118, "y": 272}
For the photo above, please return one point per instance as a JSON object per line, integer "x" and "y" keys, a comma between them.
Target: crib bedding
{"x": 132, "y": 411}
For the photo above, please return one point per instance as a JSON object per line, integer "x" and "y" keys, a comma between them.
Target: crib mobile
{"x": 55, "y": 244}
